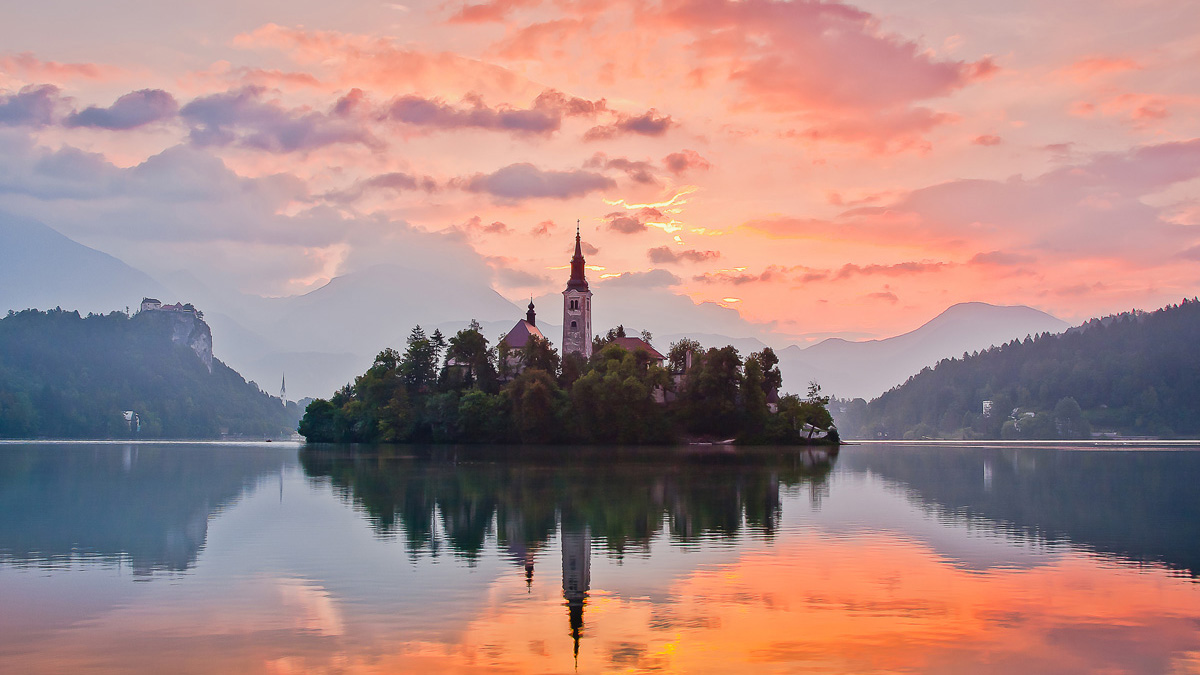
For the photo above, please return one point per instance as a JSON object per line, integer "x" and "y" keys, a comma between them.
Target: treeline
{"x": 67, "y": 376}
{"x": 1136, "y": 373}
{"x": 463, "y": 390}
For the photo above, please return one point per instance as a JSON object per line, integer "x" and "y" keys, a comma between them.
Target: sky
{"x": 823, "y": 168}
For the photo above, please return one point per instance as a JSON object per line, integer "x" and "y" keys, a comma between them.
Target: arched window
{"x": 574, "y": 325}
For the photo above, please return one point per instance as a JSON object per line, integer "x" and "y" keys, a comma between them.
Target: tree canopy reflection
{"x": 623, "y": 497}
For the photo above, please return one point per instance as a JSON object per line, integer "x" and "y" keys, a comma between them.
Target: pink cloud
{"x": 806, "y": 55}
{"x": 544, "y": 228}
{"x": 130, "y": 111}
{"x": 390, "y": 182}
{"x": 495, "y": 10}
{"x": 683, "y": 161}
{"x": 1139, "y": 110}
{"x": 640, "y": 171}
{"x": 29, "y": 67}
{"x": 518, "y": 182}
{"x": 372, "y": 62}
{"x": 773, "y": 273}
{"x": 544, "y": 117}
{"x": 476, "y": 225}
{"x": 1001, "y": 259}
{"x": 538, "y": 40}
{"x": 882, "y": 132}
{"x": 35, "y": 105}
{"x": 632, "y": 222}
{"x": 666, "y": 254}
{"x": 247, "y": 118}
{"x": 225, "y": 75}
{"x": 899, "y": 269}
{"x": 987, "y": 140}
{"x": 649, "y": 123}
{"x": 1095, "y": 66}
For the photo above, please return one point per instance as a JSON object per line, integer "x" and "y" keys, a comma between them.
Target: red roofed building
{"x": 518, "y": 337}
{"x": 632, "y": 345}
{"x": 525, "y": 328}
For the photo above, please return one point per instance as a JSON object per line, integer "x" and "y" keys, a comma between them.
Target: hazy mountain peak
{"x": 42, "y": 268}
{"x": 870, "y": 367}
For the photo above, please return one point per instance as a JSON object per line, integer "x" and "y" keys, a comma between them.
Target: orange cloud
{"x": 1095, "y": 66}
{"x": 373, "y": 62}
{"x": 30, "y": 68}
{"x": 495, "y": 10}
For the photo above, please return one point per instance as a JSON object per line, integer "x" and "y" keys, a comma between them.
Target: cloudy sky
{"x": 829, "y": 168}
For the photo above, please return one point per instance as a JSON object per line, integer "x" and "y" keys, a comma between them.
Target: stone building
{"x": 577, "y": 307}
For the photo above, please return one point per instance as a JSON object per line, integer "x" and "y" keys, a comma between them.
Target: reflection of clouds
{"x": 863, "y": 603}
{"x": 311, "y": 606}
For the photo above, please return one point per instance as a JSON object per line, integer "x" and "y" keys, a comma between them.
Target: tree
{"x": 614, "y": 401}
{"x": 677, "y": 357}
{"x": 814, "y": 394}
{"x": 1068, "y": 419}
{"x": 537, "y": 405}
{"x": 754, "y": 401}
{"x": 468, "y": 353}
{"x": 419, "y": 366}
{"x": 538, "y": 353}
{"x": 710, "y": 392}
{"x": 612, "y": 334}
{"x": 768, "y": 365}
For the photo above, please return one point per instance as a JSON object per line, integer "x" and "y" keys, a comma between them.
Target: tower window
{"x": 574, "y": 325}
{"x": 574, "y": 305}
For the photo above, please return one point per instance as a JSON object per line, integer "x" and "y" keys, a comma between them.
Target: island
{"x": 602, "y": 389}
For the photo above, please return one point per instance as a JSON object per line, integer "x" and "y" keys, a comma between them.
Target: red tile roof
{"x": 633, "y": 344}
{"x": 519, "y": 335}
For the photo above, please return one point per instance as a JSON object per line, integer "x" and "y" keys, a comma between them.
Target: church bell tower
{"x": 577, "y": 307}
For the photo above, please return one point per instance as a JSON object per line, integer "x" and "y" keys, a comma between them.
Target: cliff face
{"x": 189, "y": 330}
{"x": 67, "y": 376}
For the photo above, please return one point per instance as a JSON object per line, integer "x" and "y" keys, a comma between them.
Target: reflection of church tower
{"x": 577, "y": 576}
{"x": 577, "y": 307}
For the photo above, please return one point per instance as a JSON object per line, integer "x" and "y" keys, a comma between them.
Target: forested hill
{"x": 1136, "y": 374}
{"x": 67, "y": 376}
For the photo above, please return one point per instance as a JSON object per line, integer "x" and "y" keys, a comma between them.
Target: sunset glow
{"x": 865, "y": 165}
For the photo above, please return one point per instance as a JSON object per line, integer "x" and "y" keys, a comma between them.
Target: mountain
{"x": 321, "y": 339}
{"x": 40, "y": 268}
{"x": 151, "y": 375}
{"x": 1137, "y": 373}
{"x": 866, "y": 369}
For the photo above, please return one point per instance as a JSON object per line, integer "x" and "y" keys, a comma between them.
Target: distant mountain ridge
{"x": 42, "y": 269}
{"x": 868, "y": 368}
{"x": 321, "y": 339}
{"x": 1135, "y": 373}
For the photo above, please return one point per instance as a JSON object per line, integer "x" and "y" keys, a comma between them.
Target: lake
{"x": 886, "y": 558}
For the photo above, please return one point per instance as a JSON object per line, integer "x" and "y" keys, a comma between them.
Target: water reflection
{"x": 885, "y": 559}
{"x": 147, "y": 505}
{"x": 618, "y": 498}
{"x": 622, "y": 501}
{"x": 1141, "y": 505}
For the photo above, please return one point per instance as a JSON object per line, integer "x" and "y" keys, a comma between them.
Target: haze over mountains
{"x": 323, "y": 338}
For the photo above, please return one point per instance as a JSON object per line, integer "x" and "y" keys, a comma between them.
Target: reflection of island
{"x": 1139, "y": 505}
{"x": 616, "y": 499}
{"x": 623, "y": 497}
{"x": 143, "y": 503}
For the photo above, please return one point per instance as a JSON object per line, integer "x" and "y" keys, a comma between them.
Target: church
{"x": 577, "y": 317}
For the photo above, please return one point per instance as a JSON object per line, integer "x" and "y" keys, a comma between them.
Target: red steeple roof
{"x": 578, "y": 280}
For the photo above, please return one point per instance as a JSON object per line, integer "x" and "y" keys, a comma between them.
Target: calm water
{"x": 274, "y": 558}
